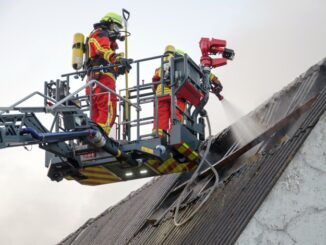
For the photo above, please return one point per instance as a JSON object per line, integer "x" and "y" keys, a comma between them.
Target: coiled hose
{"x": 183, "y": 194}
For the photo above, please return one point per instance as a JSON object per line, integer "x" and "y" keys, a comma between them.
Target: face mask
{"x": 114, "y": 27}
{"x": 114, "y": 32}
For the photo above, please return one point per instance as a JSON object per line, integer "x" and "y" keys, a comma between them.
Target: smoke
{"x": 245, "y": 129}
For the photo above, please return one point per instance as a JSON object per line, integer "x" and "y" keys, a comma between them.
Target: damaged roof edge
{"x": 126, "y": 222}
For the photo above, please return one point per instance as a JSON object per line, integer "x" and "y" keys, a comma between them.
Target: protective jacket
{"x": 101, "y": 51}
{"x": 164, "y": 103}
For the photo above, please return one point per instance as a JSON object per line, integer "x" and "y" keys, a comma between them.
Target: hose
{"x": 58, "y": 136}
{"x": 192, "y": 179}
{"x": 93, "y": 136}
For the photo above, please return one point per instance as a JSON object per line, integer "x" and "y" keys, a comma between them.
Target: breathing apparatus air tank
{"x": 78, "y": 51}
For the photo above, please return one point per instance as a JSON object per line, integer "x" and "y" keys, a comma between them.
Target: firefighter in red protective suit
{"x": 164, "y": 95}
{"x": 101, "y": 49}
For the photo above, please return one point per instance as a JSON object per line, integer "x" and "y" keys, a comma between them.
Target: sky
{"x": 274, "y": 41}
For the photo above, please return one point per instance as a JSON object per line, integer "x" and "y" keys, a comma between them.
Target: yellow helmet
{"x": 114, "y": 18}
{"x": 170, "y": 51}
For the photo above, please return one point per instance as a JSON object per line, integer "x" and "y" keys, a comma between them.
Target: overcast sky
{"x": 275, "y": 41}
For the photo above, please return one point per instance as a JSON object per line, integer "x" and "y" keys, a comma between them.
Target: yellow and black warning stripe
{"x": 98, "y": 175}
{"x": 68, "y": 177}
{"x": 153, "y": 164}
{"x": 184, "y": 149}
{"x": 170, "y": 166}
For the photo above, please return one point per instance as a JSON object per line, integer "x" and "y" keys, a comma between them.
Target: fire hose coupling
{"x": 109, "y": 145}
{"x": 97, "y": 139}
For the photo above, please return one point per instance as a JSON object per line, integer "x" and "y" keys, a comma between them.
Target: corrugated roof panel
{"x": 119, "y": 223}
{"x": 226, "y": 213}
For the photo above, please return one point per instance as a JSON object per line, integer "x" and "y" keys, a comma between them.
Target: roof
{"x": 146, "y": 216}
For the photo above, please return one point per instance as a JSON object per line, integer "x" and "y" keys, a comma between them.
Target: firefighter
{"x": 164, "y": 94}
{"x": 216, "y": 86}
{"x": 101, "y": 48}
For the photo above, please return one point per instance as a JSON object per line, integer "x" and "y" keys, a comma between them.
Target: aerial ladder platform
{"x": 78, "y": 149}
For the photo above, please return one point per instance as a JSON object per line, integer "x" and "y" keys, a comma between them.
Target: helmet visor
{"x": 115, "y": 27}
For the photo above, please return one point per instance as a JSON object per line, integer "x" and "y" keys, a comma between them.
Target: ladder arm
{"x": 12, "y": 124}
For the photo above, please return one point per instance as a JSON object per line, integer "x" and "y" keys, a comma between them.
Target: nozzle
{"x": 219, "y": 96}
{"x": 217, "y": 89}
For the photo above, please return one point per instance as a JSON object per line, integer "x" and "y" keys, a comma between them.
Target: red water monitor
{"x": 212, "y": 47}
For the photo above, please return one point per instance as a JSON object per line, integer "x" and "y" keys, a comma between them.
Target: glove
{"x": 125, "y": 65}
{"x": 217, "y": 88}
{"x": 228, "y": 54}
{"x": 119, "y": 56}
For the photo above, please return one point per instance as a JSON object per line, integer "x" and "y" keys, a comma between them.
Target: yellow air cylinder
{"x": 78, "y": 51}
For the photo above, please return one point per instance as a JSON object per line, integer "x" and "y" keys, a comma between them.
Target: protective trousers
{"x": 104, "y": 103}
{"x": 164, "y": 112}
